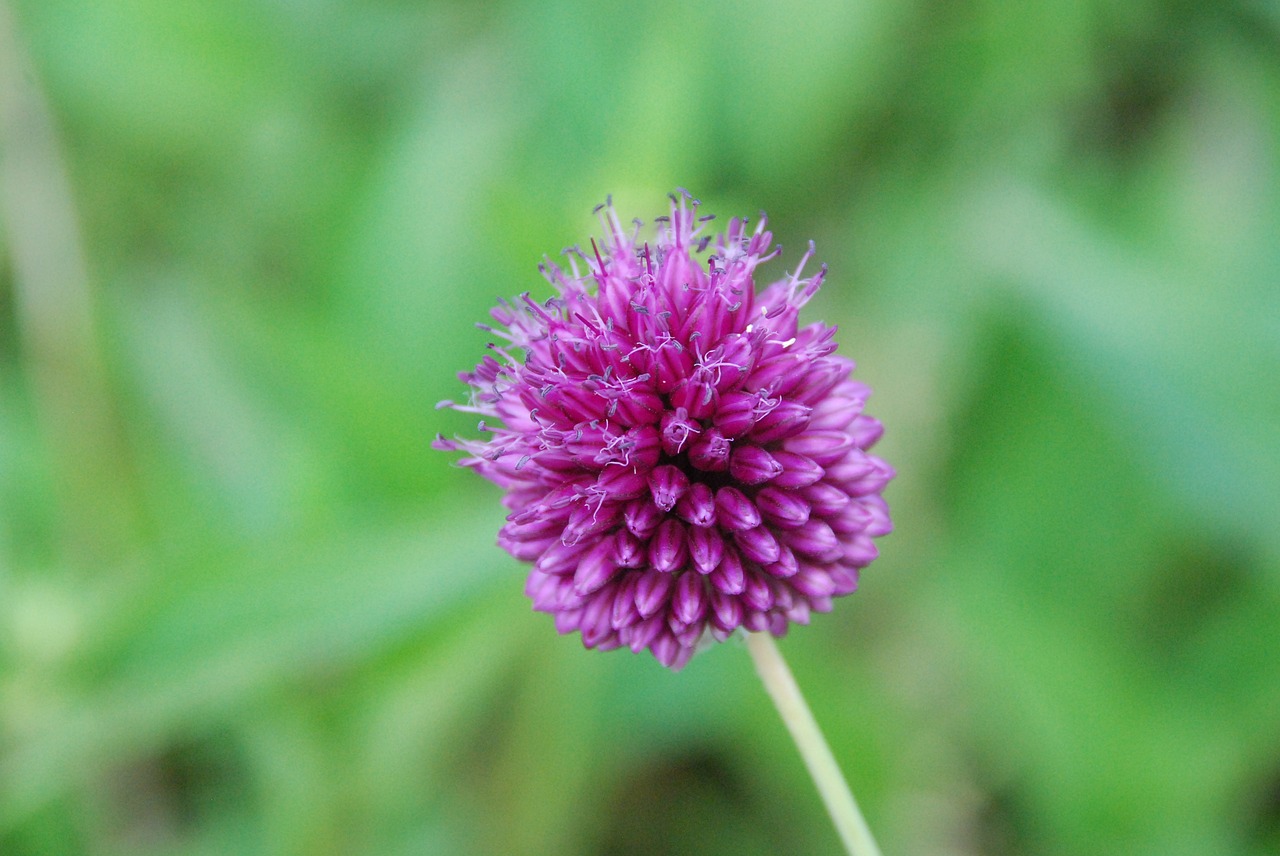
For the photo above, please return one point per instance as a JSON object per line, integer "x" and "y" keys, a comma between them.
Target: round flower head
{"x": 680, "y": 457}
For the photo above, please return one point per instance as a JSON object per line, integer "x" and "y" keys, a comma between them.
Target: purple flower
{"x": 680, "y": 457}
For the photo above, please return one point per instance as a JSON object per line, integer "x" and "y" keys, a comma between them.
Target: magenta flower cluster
{"x": 680, "y": 458}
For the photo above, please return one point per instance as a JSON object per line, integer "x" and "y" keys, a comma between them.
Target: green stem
{"x": 54, "y": 313}
{"x": 813, "y": 747}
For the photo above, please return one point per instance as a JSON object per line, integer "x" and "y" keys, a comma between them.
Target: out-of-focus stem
{"x": 54, "y": 310}
{"x": 826, "y": 774}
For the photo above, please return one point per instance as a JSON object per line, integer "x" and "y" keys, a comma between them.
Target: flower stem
{"x": 813, "y": 747}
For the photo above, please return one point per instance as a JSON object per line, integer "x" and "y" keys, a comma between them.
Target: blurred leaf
{"x": 1184, "y": 367}
{"x": 217, "y": 642}
{"x": 1053, "y": 641}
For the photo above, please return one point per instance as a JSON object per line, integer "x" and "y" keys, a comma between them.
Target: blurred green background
{"x": 245, "y": 609}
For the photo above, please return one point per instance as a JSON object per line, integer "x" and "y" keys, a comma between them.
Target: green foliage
{"x": 244, "y": 607}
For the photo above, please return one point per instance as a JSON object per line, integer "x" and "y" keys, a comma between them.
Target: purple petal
{"x": 845, "y": 580}
{"x": 651, "y": 591}
{"x": 668, "y": 549}
{"x": 851, "y": 519}
{"x": 589, "y": 519}
{"x": 814, "y": 539}
{"x": 880, "y": 523}
{"x": 784, "y": 508}
{"x": 595, "y": 569}
{"x": 642, "y": 517}
{"x": 786, "y": 565}
{"x": 557, "y": 461}
{"x": 818, "y": 382}
{"x": 759, "y": 545}
{"x": 756, "y": 593}
{"x": 567, "y": 598}
{"x": 752, "y": 465}
{"x": 597, "y": 617}
{"x": 736, "y": 414}
{"x": 627, "y": 550}
{"x": 853, "y": 466}
{"x": 729, "y": 576}
{"x": 706, "y": 548}
{"x": 697, "y": 396}
{"x": 835, "y": 413}
{"x": 786, "y": 420}
{"x": 813, "y": 582}
{"x": 668, "y": 651}
{"x": 698, "y": 506}
{"x": 732, "y": 359}
{"x": 639, "y": 636}
{"x": 825, "y": 499}
{"x": 874, "y": 481}
{"x": 526, "y": 550}
{"x": 726, "y": 611}
{"x": 797, "y": 470}
{"x": 822, "y": 447}
{"x": 719, "y": 634}
{"x": 689, "y": 635}
{"x": 536, "y": 526}
{"x": 620, "y": 483}
{"x": 542, "y": 590}
{"x": 689, "y": 604}
{"x": 798, "y": 613}
{"x": 624, "y": 603}
{"x": 641, "y": 447}
{"x": 866, "y": 431}
{"x": 860, "y": 551}
{"x": 710, "y": 452}
{"x": 668, "y": 483}
{"x": 783, "y": 595}
{"x": 568, "y": 621}
{"x": 561, "y": 558}
{"x": 734, "y": 511}
{"x": 678, "y": 430}
{"x": 639, "y": 406}
{"x": 781, "y": 373}
{"x": 672, "y": 365}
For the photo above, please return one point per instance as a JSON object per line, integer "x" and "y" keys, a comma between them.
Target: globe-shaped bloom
{"x": 680, "y": 458}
